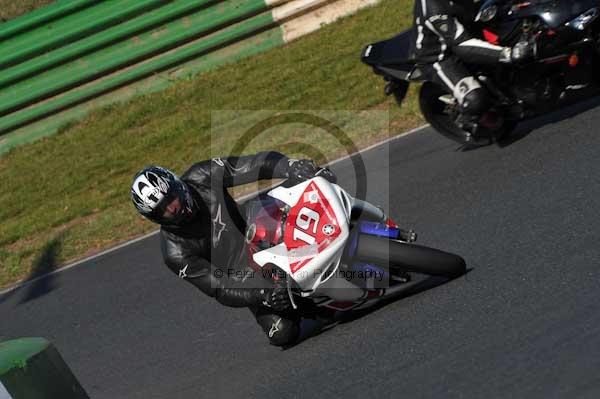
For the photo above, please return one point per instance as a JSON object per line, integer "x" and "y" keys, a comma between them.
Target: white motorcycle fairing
{"x": 315, "y": 234}
{"x": 316, "y": 231}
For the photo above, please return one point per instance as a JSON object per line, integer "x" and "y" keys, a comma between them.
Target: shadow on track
{"x": 35, "y": 286}
{"x": 528, "y": 126}
{"x": 569, "y": 111}
{"x": 312, "y": 328}
{"x": 411, "y": 289}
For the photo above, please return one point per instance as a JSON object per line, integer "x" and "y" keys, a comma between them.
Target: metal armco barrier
{"x": 73, "y": 54}
{"x": 70, "y": 28}
{"x": 104, "y": 38}
{"x": 42, "y": 16}
{"x": 130, "y": 51}
{"x": 32, "y": 368}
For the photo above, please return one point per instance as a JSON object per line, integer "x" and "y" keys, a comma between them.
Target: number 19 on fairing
{"x": 305, "y": 218}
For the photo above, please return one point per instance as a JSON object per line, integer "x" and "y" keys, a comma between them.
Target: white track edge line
{"x": 138, "y": 239}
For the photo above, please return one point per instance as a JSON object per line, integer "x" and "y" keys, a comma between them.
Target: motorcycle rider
{"x": 202, "y": 232}
{"x": 444, "y": 42}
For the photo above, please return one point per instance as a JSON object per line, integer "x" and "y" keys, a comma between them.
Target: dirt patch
{"x": 10, "y": 9}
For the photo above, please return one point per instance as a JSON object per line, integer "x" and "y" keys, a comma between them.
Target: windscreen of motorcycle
{"x": 315, "y": 232}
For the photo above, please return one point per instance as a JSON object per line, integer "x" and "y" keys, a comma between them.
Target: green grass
{"x": 74, "y": 186}
{"x": 10, "y": 9}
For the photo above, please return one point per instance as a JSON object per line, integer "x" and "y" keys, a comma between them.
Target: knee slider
{"x": 283, "y": 332}
{"x": 471, "y": 96}
{"x": 476, "y": 102}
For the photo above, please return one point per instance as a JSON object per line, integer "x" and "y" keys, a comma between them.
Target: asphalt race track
{"x": 523, "y": 323}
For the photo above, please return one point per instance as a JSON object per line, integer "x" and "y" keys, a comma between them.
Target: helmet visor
{"x": 175, "y": 206}
{"x": 172, "y": 208}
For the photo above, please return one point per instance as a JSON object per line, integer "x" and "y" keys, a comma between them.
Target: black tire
{"x": 409, "y": 257}
{"x": 435, "y": 113}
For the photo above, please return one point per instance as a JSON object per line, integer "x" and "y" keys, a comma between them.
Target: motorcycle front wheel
{"x": 443, "y": 119}
{"x": 407, "y": 257}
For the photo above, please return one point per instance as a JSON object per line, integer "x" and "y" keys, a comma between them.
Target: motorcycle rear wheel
{"x": 407, "y": 257}
{"x": 436, "y": 113}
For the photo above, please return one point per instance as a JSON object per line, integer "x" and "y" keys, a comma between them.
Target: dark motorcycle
{"x": 566, "y": 36}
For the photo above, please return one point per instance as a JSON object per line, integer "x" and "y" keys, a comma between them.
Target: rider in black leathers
{"x": 202, "y": 232}
{"x": 444, "y": 42}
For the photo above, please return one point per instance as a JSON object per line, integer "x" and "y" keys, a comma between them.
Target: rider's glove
{"x": 276, "y": 297}
{"x": 327, "y": 174}
{"x": 301, "y": 169}
{"x": 304, "y": 169}
{"x": 521, "y": 53}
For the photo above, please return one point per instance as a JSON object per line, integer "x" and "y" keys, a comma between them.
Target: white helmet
{"x": 154, "y": 189}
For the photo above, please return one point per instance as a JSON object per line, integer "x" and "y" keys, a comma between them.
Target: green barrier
{"x": 255, "y": 44}
{"x": 182, "y": 54}
{"x": 41, "y": 16}
{"x": 123, "y": 54}
{"x": 101, "y": 39}
{"x": 70, "y": 28}
{"x": 158, "y": 60}
{"x": 31, "y": 368}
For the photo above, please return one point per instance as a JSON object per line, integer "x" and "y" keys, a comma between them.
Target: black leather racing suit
{"x": 442, "y": 42}
{"x": 209, "y": 251}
